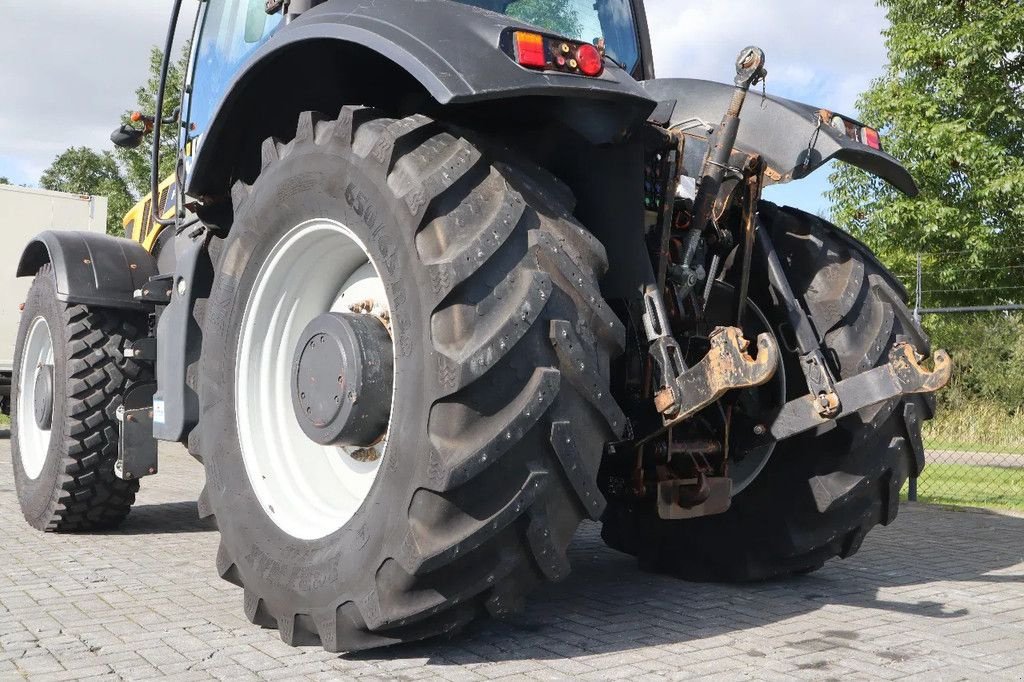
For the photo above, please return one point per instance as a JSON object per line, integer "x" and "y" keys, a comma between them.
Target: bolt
{"x": 152, "y": 470}
{"x": 133, "y": 266}
{"x": 86, "y": 261}
{"x": 760, "y": 430}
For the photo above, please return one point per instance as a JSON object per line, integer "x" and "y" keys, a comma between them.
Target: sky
{"x": 70, "y": 68}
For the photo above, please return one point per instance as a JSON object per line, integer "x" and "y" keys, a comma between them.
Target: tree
{"x": 556, "y": 16}
{"x": 81, "y": 170}
{"x": 136, "y": 162}
{"x": 123, "y": 176}
{"x": 951, "y": 107}
{"x": 4, "y": 180}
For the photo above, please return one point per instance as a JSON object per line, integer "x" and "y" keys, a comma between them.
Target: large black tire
{"x": 501, "y": 408}
{"x": 77, "y": 490}
{"x": 820, "y": 494}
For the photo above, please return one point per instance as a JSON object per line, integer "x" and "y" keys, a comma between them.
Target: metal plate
{"x": 137, "y": 454}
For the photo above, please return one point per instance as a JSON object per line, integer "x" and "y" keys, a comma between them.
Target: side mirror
{"x": 127, "y": 137}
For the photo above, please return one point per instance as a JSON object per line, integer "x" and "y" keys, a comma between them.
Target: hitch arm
{"x": 903, "y": 375}
{"x": 727, "y": 366}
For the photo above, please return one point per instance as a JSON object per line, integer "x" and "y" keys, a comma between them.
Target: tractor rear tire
{"x": 64, "y": 474}
{"x": 819, "y": 495}
{"x": 500, "y": 409}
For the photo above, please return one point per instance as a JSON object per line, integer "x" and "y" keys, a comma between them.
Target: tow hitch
{"x": 727, "y": 366}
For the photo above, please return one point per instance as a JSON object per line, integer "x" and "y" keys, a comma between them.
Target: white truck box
{"x": 24, "y": 213}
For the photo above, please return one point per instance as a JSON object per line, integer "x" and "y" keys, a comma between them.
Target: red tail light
{"x": 871, "y": 138}
{"x": 530, "y": 49}
{"x": 590, "y": 61}
{"x": 551, "y": 53}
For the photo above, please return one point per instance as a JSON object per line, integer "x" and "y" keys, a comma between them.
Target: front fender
{"x": 785, "y": 133}
{"x": 451, "y": 49}
{"x": 90, "y": 268}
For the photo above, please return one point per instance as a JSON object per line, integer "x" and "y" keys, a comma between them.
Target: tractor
{"x": 434, "y": 282}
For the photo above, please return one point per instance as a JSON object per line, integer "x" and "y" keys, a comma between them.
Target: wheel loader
{"x": 439, "y": 280}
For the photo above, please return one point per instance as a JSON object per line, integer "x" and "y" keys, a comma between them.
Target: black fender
{"x": 90, "y": 268}
{"x": 786, "y": 134}
{"x": 450, "y": 49}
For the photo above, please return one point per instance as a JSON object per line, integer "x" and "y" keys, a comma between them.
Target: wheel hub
{"x": 341, "y": 379}
{"x": 42, "y": 397}
{"x": 308, "y": 489}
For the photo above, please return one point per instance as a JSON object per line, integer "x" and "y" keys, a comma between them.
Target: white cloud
{"x": 68, "y": 69}
{"x": 814, "y": 49}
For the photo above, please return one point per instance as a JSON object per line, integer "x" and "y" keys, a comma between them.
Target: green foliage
{"x": 4, "y": 180}
{"x": 123, "y": 176}
{"x": 81, "y": 170}
{"x": 988, "y": 352}
{"x": 951, "y": 107}
{"x": 136, "y": 162}
{"x": 972, "y": 486}
{"x": 556, "y": 16}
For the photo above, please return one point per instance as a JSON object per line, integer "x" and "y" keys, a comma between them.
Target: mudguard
{"x": 788, "y": 135}
{"x": 451, "y": 49}
{"x": 91, "y": 269}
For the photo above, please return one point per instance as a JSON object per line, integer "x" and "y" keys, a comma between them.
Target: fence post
{"x": 917, "y": 292}
{"x": 912, "y": 484}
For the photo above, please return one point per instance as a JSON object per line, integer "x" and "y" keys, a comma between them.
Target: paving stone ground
{"x": 939, "y": 595}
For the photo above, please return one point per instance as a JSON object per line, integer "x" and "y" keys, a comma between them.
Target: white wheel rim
{"x": 33, "y": 441}
{"x": 308, "y": 490}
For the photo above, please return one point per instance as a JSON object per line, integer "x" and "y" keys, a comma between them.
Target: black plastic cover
{"x": 90, "y": 268}
{"x": 785, "y": 133}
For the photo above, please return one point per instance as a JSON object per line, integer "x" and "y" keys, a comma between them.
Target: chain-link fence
{"x": 975, "y": 445}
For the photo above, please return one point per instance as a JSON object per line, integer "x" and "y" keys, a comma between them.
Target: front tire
{"x": 500, "y": 407}
{"x": 64, "y": 456}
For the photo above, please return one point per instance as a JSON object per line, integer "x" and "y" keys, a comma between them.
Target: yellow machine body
{"x": 139, "y": 225}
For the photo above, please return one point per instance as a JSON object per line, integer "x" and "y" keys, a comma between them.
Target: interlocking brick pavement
{"x": 937, "y": 596}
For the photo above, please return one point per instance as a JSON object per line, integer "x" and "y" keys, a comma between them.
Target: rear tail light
{"x": 871, "y": 138}
{"x": 590, "y": 61}
{"x": 530, "y": 50}
{"x": 536, "y": 51}
{"x": 851, "y": 129}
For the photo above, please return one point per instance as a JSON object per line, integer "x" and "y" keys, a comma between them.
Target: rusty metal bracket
{"x": 727, "y": 366}
{"x": 906, "y": 366}
{"x": 902, "y": 375}
{"x": 672, "y": 503}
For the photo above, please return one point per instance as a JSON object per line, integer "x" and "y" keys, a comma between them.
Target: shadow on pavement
{"x": 166, "y": 517}
{"x": 608, "y": 605}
